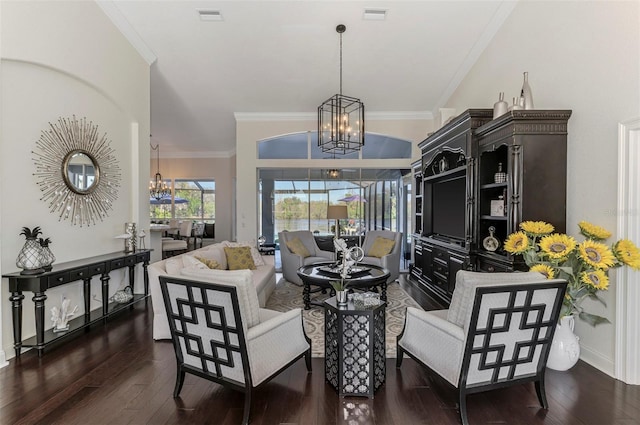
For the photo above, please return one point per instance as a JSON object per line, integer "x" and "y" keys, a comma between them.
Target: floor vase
{"x": 565, "y": 348}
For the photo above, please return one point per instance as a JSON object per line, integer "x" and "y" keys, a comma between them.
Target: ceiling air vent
{"x": 210, "y": 15}
{"x": 372, "y": 14}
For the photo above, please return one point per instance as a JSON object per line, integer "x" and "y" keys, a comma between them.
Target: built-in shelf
{"x": 493, "y": 217}
{"x": 493, "y": 185}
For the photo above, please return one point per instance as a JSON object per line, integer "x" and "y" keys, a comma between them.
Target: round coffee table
{"x": 316, "y": 275}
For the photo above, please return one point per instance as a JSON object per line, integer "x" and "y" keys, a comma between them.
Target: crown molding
{"x": 312, "y": 116}
{"x": 275, "y": 116}
{"x": 115, "y": 15}
{"x": 199, "y": 154}
{"x": 398, "y": 115}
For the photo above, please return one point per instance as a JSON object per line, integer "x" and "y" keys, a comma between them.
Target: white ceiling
{"x": 282, "y": 57}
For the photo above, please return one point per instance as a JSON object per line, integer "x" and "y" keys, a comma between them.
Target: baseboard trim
{"x": 3, "y": 359}
{"x": 597, "y": 360}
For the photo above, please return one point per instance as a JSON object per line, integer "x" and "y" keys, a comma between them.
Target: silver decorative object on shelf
{"x": 47, "y": 256}
{"x": 142, "y": 235}
{"x": 77, "y": 171}
{"x": 123, "y": 296}
{"x": 526, "y": 94}
{"x": 516, "y": 104}
{"x": 130, "y": 242}
{"x": 30, "y": 257}
{"x": 500, "y": 176}
{"x": 500, "y": 107}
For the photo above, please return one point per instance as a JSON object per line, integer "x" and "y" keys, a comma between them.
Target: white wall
{"x": 248, "y": 133}
{"x": 582, "y": 56}
{"x": 61, "y": 59}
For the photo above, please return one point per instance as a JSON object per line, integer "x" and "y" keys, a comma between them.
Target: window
{"x": 297, "y": 199}
{"x": 191, "y": 199}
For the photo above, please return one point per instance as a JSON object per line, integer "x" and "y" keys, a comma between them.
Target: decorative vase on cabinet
{"x": 526, "y": 94}
{"x": 565, "y": 348}
{"x": 500, "y": 107}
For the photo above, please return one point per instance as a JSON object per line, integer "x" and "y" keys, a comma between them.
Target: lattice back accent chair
{"x": 496, "y": 333}
{"x": 382, "y": 248}
{"x": 219, "y": 333}
{"x": 297, "y": 249}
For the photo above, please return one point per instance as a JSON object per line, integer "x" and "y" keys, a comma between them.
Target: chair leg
{"x": 307, "y": 359}
{"x": 179, "y": 381}
{"x": 247, "y": 407}
{"x": 542, "y": 394}
{"x": 399, "y": 355}
{"x": 463, "y": 408}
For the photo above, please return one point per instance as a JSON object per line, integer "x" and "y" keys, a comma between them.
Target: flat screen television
{"x": 448, "y": 203}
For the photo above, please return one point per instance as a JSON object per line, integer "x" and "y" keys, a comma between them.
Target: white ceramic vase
{"x": 565, "y": 348}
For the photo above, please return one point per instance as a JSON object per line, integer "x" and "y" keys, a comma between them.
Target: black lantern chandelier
{"x": 341, "y": 119}
{"x": 157, "y": 187}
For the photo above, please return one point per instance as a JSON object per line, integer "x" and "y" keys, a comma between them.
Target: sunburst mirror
{"x": 77, "y": 171}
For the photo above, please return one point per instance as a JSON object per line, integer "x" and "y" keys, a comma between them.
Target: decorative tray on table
{"x": 335, "y": 271}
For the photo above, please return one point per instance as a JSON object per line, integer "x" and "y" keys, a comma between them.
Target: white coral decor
{"x": 60, "y": 316}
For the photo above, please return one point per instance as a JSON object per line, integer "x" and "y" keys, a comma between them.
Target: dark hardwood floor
{"x": 116, "y": 374}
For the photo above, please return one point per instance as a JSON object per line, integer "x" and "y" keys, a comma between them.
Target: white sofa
{"x": 264, "y": 278}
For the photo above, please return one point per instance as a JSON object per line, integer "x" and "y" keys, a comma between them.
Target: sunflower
{"x": 536, "y": 228}
{"x": 557, "y": 246}
{"x": 546, "y": 270}
{"x": 627, "y": 253}
{"x": 516, "y": 243}
{"x": 593, "y": 231}
{"x": 596, "y": 278}
{"x": 596, "y": 254}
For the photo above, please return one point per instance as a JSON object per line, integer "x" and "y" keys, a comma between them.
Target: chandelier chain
{"x": 341, "y": 64}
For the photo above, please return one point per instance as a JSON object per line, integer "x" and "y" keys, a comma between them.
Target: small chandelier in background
{"x": 157, "y": 187}
{"x": 341, "y": 119}
{"x": 333, "y": 173}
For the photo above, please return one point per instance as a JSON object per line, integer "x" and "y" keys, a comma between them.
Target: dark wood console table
{"x": 65, "y": 273}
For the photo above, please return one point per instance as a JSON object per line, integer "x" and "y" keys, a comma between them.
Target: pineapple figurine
{"x": 47, "y": 256}
{"x": 30, "y": 258}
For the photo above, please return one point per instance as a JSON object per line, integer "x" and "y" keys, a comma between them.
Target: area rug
{"x": 288, "y": 295}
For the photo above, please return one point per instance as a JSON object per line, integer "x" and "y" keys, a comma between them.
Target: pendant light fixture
{"x": 333, "y": 173}
{"x": 341, "y": 119}
{"x": 157, "y": 187}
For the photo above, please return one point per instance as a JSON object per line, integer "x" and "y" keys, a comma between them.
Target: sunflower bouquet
{"x": 584, "y": 265}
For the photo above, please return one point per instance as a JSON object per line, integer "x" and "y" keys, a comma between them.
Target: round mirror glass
{"x": 81, "y": 172}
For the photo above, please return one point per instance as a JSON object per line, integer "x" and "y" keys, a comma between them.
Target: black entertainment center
{"x": 478, "y": 178}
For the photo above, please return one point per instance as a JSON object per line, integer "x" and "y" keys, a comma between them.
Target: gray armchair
{"x": 497, "y": 332}
{"x": 220, "y": 333}
{"x": 291, "y": 261}
{"x": 390, "y": 261}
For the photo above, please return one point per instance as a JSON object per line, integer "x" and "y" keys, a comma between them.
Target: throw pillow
{"x": 296, "y": 246}
{"x": 215, "y": 252}
{"x": 381, "y": 247}
{"x": 239, "y": 258}
{"x": 242, "y": 280}
{"x": 255, "y": 254}
{"x": 191, "y": 263}
{"x": 211, "y": 263}
{"x": 173, "y": 266}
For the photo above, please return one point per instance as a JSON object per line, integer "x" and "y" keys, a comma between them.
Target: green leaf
{"x": 594, "y": 296}
{"x": 592, "y": 319}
